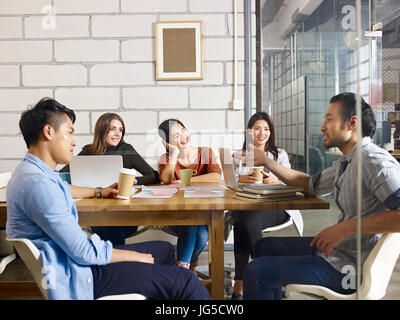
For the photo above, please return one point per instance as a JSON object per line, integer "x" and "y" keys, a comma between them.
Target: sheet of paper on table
{"x": 155, "y": 193}
{"x": 203, "y": 194}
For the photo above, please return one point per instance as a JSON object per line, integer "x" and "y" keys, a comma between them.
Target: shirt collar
{"x": 39, "y": 163}
{"x": 353, "y": 151}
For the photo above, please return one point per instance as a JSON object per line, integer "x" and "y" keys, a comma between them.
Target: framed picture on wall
{"x": 179, "y": 50}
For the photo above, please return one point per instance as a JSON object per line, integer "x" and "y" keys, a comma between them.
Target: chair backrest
{"x": 378, "y": 267}
{"x": 32, "y": 259}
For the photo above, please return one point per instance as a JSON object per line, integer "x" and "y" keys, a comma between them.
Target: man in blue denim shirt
{"x": 40, "y": 207}
{"x": 320, "y": 260}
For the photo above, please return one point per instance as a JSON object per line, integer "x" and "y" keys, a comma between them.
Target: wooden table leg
{"x": 216, "y": 254}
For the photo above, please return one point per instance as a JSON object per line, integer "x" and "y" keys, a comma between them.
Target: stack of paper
{"x": 271, "y": 192}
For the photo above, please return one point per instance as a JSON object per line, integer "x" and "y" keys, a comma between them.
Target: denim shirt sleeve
{"x": 47, "y": 205}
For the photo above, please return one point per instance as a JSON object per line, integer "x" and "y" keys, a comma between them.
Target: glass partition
{"x": 314, "y": 50}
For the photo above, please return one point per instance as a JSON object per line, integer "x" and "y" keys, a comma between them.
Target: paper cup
{"x": 257, "y": 172}
{"x": 125, "y": 183}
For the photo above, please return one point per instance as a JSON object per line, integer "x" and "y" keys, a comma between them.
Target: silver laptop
{"x": 95, "y": 171}
{"x": 225, "y": 155}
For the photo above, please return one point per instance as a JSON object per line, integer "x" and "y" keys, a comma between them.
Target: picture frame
{"x": 179, "y": 50}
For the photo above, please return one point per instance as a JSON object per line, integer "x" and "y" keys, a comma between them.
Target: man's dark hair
{"x": 46, "y": 111}
{"x": 348, "y": 103}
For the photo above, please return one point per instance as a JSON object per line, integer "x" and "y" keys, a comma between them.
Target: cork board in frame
{"x": 179, "y": 50}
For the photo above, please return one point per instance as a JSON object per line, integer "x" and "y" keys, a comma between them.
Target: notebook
{"x": 95, "y": 171}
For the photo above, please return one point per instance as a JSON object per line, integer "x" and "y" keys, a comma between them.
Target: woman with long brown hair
{"x": 248, "y": 225}
{"x": 108, "y": 139}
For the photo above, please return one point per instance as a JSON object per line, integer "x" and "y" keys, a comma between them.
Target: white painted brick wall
{"x": 19, "y": 99}
{"x": 198, "y": 121}
{"x": 11, "y": 147}
{"x": 9, "y": 124}
{"x": 101, "y": 58}
{"x": 9, "y": 76}
{"x": 82, "y": 123}
{"x": 138, "y": 50}
{"x": 135, "y": 121}
{"x": 155, "y": 98}
{"x": 22, "y": 7}
{"x": 25, "y": 51}
{"x": 54, "y": 75}
{"x": 89, "y": 98}
{"x": 86, "y": 6}
{"x": 66, "y": 27}
{"x": 86, "y": 50}
{"x": 122, "y": 74}
{"x": 10, "y": 27}
{"x": 123, "y": 26}
{"x": 210, "y": 97}
{"x": 153, "y": 6}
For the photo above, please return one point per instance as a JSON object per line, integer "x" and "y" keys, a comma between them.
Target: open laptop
{"x": 95, "y": 171}
{"x": 225, "y": 156}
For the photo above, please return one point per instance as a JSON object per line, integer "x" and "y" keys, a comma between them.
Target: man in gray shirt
{"x": 324, "y": 259}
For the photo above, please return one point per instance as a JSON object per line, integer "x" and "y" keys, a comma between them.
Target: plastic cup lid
{"x": 127, "y": 171}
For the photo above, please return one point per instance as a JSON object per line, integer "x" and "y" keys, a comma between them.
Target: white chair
{"x": 5, "y": 261}
{"x": 377, "y": 270}
{"x": 285, "y": 224}
{"x": 32, "y": 259}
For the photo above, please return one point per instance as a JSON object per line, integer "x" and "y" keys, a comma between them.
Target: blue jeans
{"x": 283, "y": 260}
{"x": 191, "y": 241}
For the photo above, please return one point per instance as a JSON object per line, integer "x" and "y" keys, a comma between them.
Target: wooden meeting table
{"x": 176, "y": 210}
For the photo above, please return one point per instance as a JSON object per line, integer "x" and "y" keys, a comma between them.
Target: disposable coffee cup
{"x": 125, "y": 183}
{"x": 257, "y": 172}
{"x": 186, "y": 175}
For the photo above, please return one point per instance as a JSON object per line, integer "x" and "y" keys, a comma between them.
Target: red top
{"x": 206, "y": 163}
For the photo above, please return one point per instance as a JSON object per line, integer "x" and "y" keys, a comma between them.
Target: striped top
{"x": 380, "y": 192}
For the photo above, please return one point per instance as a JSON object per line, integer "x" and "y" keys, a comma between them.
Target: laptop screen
{"x": 95, "y": 171}
{"x": 225, "y": 155}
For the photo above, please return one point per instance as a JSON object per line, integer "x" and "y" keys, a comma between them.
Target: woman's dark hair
{"x": 101, "y": 129}
{"x": 271, "y": 143}
{"x": 165, "y": 128}
{"x": 46, "y": 111}
{"x": 348, "y": 103}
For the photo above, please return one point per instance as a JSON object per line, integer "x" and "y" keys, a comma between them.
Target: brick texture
{"x": 100, "y": 57}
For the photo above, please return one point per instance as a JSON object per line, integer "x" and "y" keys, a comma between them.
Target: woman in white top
{"x": 248, "y": 225}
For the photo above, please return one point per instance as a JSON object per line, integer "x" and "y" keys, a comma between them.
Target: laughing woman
{"x": 108, "y": 139}
{"x": 181, "y": 155}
